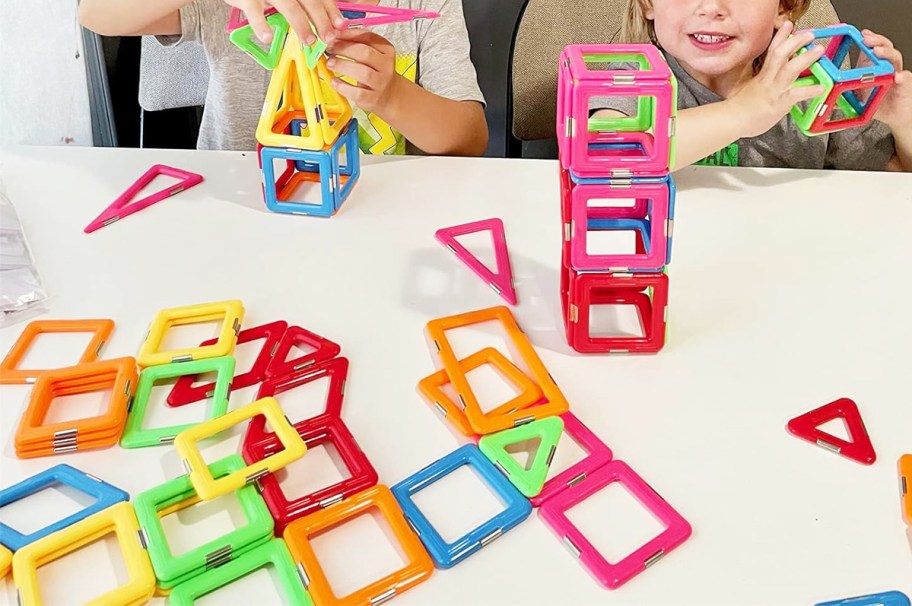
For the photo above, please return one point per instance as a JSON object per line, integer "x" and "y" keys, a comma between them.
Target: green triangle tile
{"x": 245, "y": 39}
{"x": 529, "y": 481}
{"x": 312, "y": 53}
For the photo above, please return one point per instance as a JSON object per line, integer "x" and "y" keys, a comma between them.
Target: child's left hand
{"x": 369, "y": 60}
{"x": 896, "y": 108}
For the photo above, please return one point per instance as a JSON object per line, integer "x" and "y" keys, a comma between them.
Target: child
{"x": 415, "y": 80}
{"x": 736, "y": 64}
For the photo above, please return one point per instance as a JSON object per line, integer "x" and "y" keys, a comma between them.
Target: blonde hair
{"x": 637, "y": 29}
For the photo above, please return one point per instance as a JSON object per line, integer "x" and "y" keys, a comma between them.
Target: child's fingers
{"x": 902, "y": 84}
{"x": 336, "y": 20}
{"x": 890, "y": 54}
{"x": 319, "y": 13}
{"x": 356, "y": 51}
{"x": 799, "y": 63}
{"x": 254, "y": 11}
{"x": 356, "y": 34}
{"x": 883, "y": 47}
{"x": 773, "y": 53}
{"x": 360, "y": 73}
{"x": 335, "y": 16}
{"x": 784, "y": 44}
{"x": 804, "y": 93}
{"x": 355, "y": 94}
{"x": 783, "y": 50}
{"x": 297, "y": 19}
{"x": 873, "y": 39}
{"x": 782, "y": 34}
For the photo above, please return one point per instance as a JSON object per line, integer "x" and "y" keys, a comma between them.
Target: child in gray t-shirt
{"x": 736, "y": 87}
{"x": 415, "y": 81}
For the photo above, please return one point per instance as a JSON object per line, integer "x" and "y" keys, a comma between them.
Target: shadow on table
{"x": 738, "y": 179}
{"x": 439, "y": 286}
{"x": 909, "y": 536}
{"x": 241, "y": 180}
{"x": 11, "y": 395}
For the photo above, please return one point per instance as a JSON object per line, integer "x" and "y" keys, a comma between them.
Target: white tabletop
{"x": 789, "y": 289}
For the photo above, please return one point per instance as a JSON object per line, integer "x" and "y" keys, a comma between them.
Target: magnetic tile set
{"x": 850, "y": 96}
{"x": 308, "y": 126}
{"x": 538, "y": 413}
{"x": 605, "y": 164}
{"x": 305, "y": 123}
{"x": 152, "y": 565}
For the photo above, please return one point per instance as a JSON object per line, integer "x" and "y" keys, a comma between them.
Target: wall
{"x": 892, "y": 18}
{"x": 43, "y": 92}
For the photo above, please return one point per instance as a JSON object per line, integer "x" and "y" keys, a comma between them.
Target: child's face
{"x": 715, "y": 37}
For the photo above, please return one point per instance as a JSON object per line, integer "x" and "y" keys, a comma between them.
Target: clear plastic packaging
{"x": 22, "y": 294}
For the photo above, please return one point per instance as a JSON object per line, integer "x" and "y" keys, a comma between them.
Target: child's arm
{"x": 751, "y": 111}
{"x": 902, "y": 161}
{"x": 162, "y": 17}
{"x": 896, "y": 109}
{"x": 700, "y": 131}
{"x": 132, "y": 17}
{"x": 434, "y": 124}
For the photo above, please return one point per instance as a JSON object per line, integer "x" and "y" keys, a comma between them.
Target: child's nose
{"x": 712, "y": 8}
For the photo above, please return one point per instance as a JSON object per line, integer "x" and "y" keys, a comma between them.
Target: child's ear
{"x": 648, "y": 10}
{"x": 784, "y": 15}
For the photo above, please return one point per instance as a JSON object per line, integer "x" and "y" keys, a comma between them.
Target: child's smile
{"x": 711, "y": 41}
{"x": 716, "y": 41}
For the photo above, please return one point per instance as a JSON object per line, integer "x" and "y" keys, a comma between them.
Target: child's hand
{"x": 896, "y": 108}
{"x": 369, "y": 60}
{"x": 770, "y": 95}
{"x": 300, "y": 14}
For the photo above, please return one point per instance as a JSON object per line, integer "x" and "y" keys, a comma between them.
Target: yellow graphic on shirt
{"x": 376, "y": 136}
{"x": 387, "y": 140}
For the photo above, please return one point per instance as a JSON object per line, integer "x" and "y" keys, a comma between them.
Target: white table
{"x": 789, "y": 289}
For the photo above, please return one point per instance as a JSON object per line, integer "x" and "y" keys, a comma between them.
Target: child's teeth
{"x": 710, "y": 39}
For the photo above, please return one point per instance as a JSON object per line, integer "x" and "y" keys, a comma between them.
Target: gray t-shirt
{"x": 868, "y": 147}
{"x": 434, "y": 53}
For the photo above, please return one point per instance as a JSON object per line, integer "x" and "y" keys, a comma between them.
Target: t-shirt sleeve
{"x": 444, "y": 65}
{"x": 191, "y": 25}
{"x": 867, "y": 147}
{"x": 625, "y": 105}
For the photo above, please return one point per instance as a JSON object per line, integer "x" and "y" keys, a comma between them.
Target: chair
{"x": 492, "y": 28}
{"x": 547, "y": 26}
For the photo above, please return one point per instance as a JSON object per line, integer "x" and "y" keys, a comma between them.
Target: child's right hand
{"x": 324, "y": 14}
{"x": 770, "y": 95}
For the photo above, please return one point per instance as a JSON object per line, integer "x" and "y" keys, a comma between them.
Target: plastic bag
{"x": 22, "y": 294}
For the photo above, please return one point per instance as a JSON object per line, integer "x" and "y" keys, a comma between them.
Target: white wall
{"x": 43, "y": 90}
